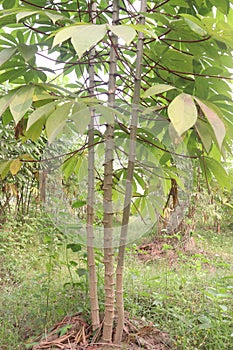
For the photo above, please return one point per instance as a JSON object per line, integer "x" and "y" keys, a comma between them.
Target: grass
{"x": 42, "y": 281}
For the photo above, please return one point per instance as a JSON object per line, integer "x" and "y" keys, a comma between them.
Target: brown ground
{"x": 78, "y": 336}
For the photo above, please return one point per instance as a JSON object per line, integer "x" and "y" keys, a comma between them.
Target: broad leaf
{"x": 24, "y": 14}
{"x": 55, "y": 17}
{"x": 219, "y": 172}
{"x": 216, "y": 123}
{"x": 6, "y": 100}
{"x": 204, "y": 133}
{"x": 107, "y": 113}
{"x": 15, "y": 166}
{"x": 83, "y": 37}
{"x": 6, "y": 54}
{"x": 87, "y": 36}
{"x": 157, "y": 89}
{"x": 222, "y": 5}
{"x": 69, "y": 166}
{"x": 64, "y": 34}
{"x": 82, "y": 119}
{"x": 183, "y": 113}
{"x": 57, "y": 120}
{"x": 4, "y": 168}
{"x": 195, "y": 24}
{"x": 40, "y": 113}
{"x": 127, "y": 33}
{"x": 21, "y": 102}
{"x": 27, "y": 51}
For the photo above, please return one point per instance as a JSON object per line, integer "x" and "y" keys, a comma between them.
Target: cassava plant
{"x": 145, "y": 79}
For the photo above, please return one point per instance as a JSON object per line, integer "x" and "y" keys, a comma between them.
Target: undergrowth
{"x": 44, "y": 278}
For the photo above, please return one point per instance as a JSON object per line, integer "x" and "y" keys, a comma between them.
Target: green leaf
{"x": 27, "y": 51}
{"x": 211, "y": 113}
{"x": 107, "y": 113}
{"x": 222, "y": 5}
{"x": 82, "y": 119}
{"x": 78, "y": 204}
{"x": 5, "y": 54}
{"x": 57, "y": 120}
{"x": 183, "y": 113}
{"x": 219, "y": 172}
{"x": 144, "y": 29}
{"x": 55, "y": 17}
{"x": 69, "y": 166}
{"x": 4, "y": 168}
{"x": 195, "y": 24}
{"x": 157, "y": 89}
{"x": 81, "y": 272}
{"x": 203, "y": 130}
{"x": 63, "y": 35}
{"x": 74, "y": 247}
{"x": 8, "y": 4}
{"x": 15, "y": 166}
{"x": 87, "y": 36}
{"x": 24, "y": 14}
{"x": 21, "y": 102}
{"x": 40, "y": 113}
{"x": 6, "y": 100}
{"x": 127, "y": 33}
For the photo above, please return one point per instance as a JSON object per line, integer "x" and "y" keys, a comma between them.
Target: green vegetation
{"x": 42, "y": 281}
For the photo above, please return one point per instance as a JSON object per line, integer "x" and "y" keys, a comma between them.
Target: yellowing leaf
{"x": 15, "y": 166}
{"x": 86, "y": 36}
{"x": 182, "y": 113}
{"x": 127, "y": 33}
{"x": 157, "y": 89}
{"x": 21, "y": 102}
{"x": 211, "y": 113}
{"x": 57, "y": 120}
{"x": 6, "y": 54}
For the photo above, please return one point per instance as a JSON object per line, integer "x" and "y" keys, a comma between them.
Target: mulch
{"x": 74, "y": 333}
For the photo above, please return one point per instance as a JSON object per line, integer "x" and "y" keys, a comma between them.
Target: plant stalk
{"x": 109, "y": 282}
{"x": 129, "y": 179}
{"x": 93, "y": 290}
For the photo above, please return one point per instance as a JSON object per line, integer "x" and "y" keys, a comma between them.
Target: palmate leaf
{"x": 83, "y": 37}
{"x": 6, "y": 100}
{"x": 212, "y": 114}
{"x": 27, "y": 51}
{"x": 40, "y": 113}
{"x": 157, "y": 89}
{"x": 57, "y": 120}
{"x": 219, "y": 172}
{"x": 204, "y": 132}
{"x": 21, "y": 102}
{"x": 182, "y": 113}
{"x": 6, "y": 54}
{"x": 127, "y": 33}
